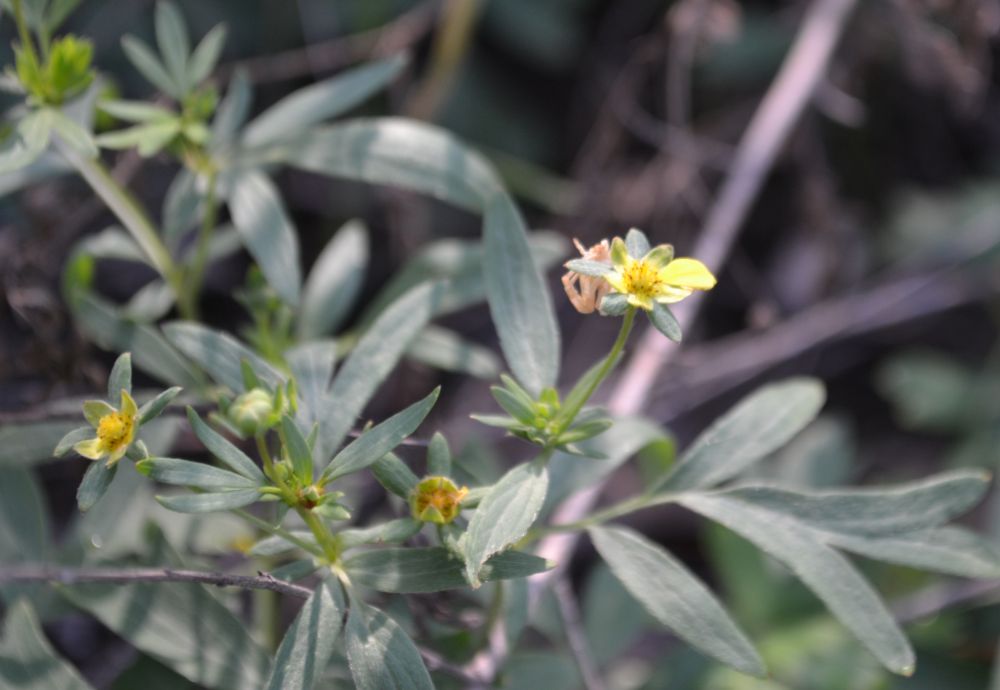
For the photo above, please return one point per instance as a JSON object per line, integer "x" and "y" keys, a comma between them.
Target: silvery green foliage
{"x": 293, "y": 473}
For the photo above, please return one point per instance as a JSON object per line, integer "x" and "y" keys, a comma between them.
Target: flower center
{"x": 114, "y": 429}
{"x": 641, "y": 278}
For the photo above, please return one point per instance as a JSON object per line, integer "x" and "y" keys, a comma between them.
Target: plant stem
{"x": 276, "y": 531}
{"x": 129, "y": 212}
{"x": 629, "y": 505}
{"x": 24, "y": 33}
{"x": 195, "y": 274}
{"x": 325, "y": 538}
{"x": 569, "y": 414}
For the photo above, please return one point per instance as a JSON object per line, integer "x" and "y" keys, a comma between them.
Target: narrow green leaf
{"x": 446, "y": 350}
{"x": 225, "y": 451}
{"x": 120, "y": 378}
{"x": 28, "y": 141}
{"x": 760, "y": 424}
{"x": 309, "y": 642}
{"x": 187, "y": 473}
{"x": 209, "y": 503}
{"x": 219, "y": 354}
{"x": 432, "y": 569}
{"x": 380, "y": 439}
{"x": 380, "y": 654}
{"x": 874, "y": 512}
{"x": 375, "y": 355}
{"x": 73, "y": 134}
{"x": 665, "y": 322}
{"x": 298, "y": 450}
{"x": 135, "y": 111}
{"x": 260, "y": 217}
{"x": 154, "y": 407}
{"x": 103, "y": 325}
{"x": 513, "y": 405}
{"x": 637, "y": 243}
{"x": 519, "y": 300}
{"x": 311, "y": 365}
{"x": 834, "y": 580}
{"x": 67, "y": 442}
{"x": 172, "y": 39}
{"x": 948, "y": 550}
{"x": 148, "y": 139}
{"x": 232, "y": 112}
{"x": 504, "y": 516}
{"x": 392, "y": 532}
{"x": 324, "y": 100}
{"x": 438, "y": 456}
{"x": 206, "y": 55}
{"x": 150, "y": 303}
{"x": 25, "y": 532}
{"x": 334, "y": 282}
{"x": 588, "y": 267}
{"x": 393, "y": 474}
{"x": 27, "y": 660}
{"x": 675, "y": 597}
{"x": 145, "y": 60}
{"x": 94, "y": 484}
{"x": 181, "y": 207}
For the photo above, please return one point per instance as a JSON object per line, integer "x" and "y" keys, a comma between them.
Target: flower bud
{"x": 437, "y": 500}
{"x": 253, "y": 412}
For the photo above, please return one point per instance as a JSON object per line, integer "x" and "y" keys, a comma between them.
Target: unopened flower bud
{"x": 437, "y": 500}
{"x": 253, "y": 412}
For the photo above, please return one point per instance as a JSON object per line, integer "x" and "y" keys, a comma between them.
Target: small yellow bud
{"x": 253, "y": 412}
{"x": 437, "y": 500}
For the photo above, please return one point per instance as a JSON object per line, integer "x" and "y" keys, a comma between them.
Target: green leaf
{"x": 260, "y": 217}
{"x": 334, "y": 282}
{"x": 150, "y": 303}
{"x": 431, "y": 569}
{"x": 148, "y": 139}
{"x": 446, "y": 350}
{"x": 120, "y": 378}
{"x": 504, "y": 516}
{"x": 181, "y": 206}
{"x": 135, "y": 111}
{"x": 309, "y": 642}
{"x": 209, "y": 503}
{"x": 219, "y": 354}
{"x": 514, "y": 405}
{"x": 225, "y": 451}
{"x": 948, "y": 550}
{"x": 834, "y": 580}
{"x": 24, "y": 522}
{"x": 665, "y": 322}
{"x": 393, "y": 151}
{"x": 154, "y": 407}
{"x": 298, "y": 450}
{"x": 232, "y": 112}
{"x": 311, "y": 365}
{"x": 381, "y": 654}
{"x": 27, "y": 143}
{"x": 27, "y": 660}
{"x": 438, "y": 456}
{"x": 74, "y": 135}
{"x": 675, "y": 597}
{"x": 613, "y": 304}
{"x": 380, "y": 439}
{"x": 206, "y": 55}
{"x": 172, "y": 39}
{"x": 392, "y": 532}
{"x": 873, "y": 512}
{"x": 374, "y": 356}
{"x": 187, "y": 473}
{"x": 181, "y": 625}
{"x": 393, "y": 474}
{"x": 65, "y": 444}
{"x": 321, "y": 101}
{"x": 94, "y": 484}
{"x": 519, "y": 300}
{"x": 95, "y": 410}
{"x": 760, "y": 424}
{"x": 102, "y": 324}
{"x": 636, "y": 243}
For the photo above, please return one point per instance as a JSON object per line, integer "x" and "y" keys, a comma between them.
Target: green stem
{"x": 196, "y": 271}
{"x": 129, "y": 212}
{"x": 24, "y": 33}
{"x": 325, "y": 538}
{"x": 276, "y": 531}
{"x": 629, "y": 505}
{"x": 569, "y": 414}
{"x": 265, "y": 458}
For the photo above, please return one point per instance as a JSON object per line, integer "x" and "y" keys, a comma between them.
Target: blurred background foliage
{"x": 870, "y": 260}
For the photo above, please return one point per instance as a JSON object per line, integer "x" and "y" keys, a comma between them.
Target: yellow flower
{"x": 437, "y": 499}
{"x": 656, "y": 276}
{"x": 115, "y": 429}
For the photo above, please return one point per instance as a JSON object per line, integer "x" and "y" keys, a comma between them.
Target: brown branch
{"x": 330, "y": 55}
{"x": 54, "y": 574}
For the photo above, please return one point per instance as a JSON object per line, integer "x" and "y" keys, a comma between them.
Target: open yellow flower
{"x": 656, "y": 276}
{"x": 115, "y": 429}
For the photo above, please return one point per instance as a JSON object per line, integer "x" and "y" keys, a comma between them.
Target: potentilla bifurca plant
{"x": 279, "y": 459}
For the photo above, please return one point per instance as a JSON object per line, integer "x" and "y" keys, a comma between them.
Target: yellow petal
{"x": 687, "y": 273}
{"x": 616, "y": 280}
{"x": 641, "y": 301}
{"x": 669, "y": 295}
{"x": 128, "y": 407}
{"x": 90, "y": 449}
{"x": 116, "y": 455}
